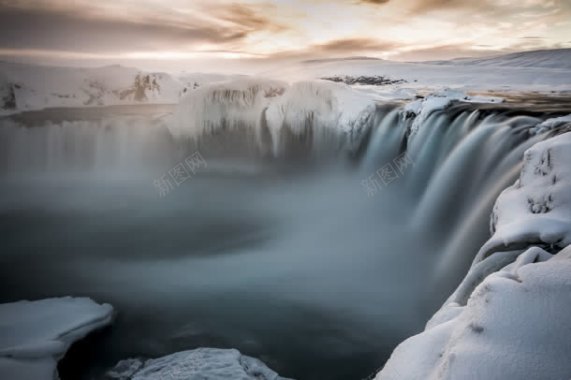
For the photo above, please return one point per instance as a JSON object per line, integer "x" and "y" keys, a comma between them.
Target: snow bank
{"x": 514, "y": 326}
{"x": 202, "y": 363}
{"x": 34, "y": 335}
{"x": 508, "y": 318}
{"x": 537, "y": 208}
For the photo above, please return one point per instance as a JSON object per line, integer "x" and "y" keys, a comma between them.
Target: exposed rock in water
{"x": 377, "y": 80}
{"x": 201, "y": 363}
{"x": 8, "y": 97}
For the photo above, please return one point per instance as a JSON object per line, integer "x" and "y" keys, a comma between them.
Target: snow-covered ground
{"x": 508, "y": 318}
{"x": 28, "y": 87}
{"x": 34, "y": 335}
{"x": 543, "y": 71}
{"x": 201, "y": 363}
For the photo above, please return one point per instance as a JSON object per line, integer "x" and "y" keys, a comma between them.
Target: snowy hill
{"x": 28, "y": 87}
{"x": 543, "y": 71}
{"x": 552, "y": 59}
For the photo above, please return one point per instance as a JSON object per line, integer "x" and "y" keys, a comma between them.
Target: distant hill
{"x": 32, "y": 87}
{"x": 553, "y": 59}
{"x": 341, "y": 59}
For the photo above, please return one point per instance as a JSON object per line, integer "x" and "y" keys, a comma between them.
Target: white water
{"x": 279, "y": 253}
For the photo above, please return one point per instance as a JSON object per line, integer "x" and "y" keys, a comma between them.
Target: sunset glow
{"x": 58, "y": 30}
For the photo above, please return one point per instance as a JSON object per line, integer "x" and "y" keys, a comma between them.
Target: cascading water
{"x": 276, "y": 247}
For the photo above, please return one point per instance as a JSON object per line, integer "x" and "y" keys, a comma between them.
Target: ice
{"x": 551, "y": 124}
{"x": 34, "y": 335}
{"x": 315, "y": 107}
{"x": 201, "y": 363}
{"x": 228, "y": 104}
{"x": 423, "y": 108}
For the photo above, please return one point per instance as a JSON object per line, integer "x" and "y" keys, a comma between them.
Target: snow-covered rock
{"x": 508, "y": 318}
{"x": 198, "y": 364}
{"x": 34, "y": 335}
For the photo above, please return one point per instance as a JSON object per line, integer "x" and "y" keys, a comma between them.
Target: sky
{"x": 203, "y": 33}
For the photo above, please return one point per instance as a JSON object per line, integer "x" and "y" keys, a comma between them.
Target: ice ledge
{"x": 34, "y": 335}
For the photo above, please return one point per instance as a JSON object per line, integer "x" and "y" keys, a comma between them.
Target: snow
{"x": 537, "y": 208}
{"x": 551, "y": 124}
{"x": 508, "y": 318}
{"x": 228, "y": 104}
{"x": 257, "y": 103}
{"x": 513, "y": 327}
{"x": 198, "y": 364}
{"x": 436, "y": 101}
{"x": 542, "y": 71}
{"x": 28, "y": 87}
{"x": 34, "y": 335}
{"x": 549, "y": 59}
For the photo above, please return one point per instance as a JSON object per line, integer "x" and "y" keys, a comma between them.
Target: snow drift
{"x": 34, "y": 335}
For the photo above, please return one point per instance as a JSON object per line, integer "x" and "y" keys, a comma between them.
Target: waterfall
{"x": 278, "y": 217}
{"x": 462, "y": 156}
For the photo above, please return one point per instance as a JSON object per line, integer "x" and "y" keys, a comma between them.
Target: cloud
{"x": 374, "y": 2}
{"x": 246, "y": 16}
{"x": 82, "y": 30}
{"x": 425, "y": 6}
{"x": 354, "y": 45}
{"x": 341, "y": 48}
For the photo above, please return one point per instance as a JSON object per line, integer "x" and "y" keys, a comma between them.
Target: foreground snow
{"x": 34, "y": 335}
{"x": 508, "y": 318}
{"x": 199, "y": 364}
